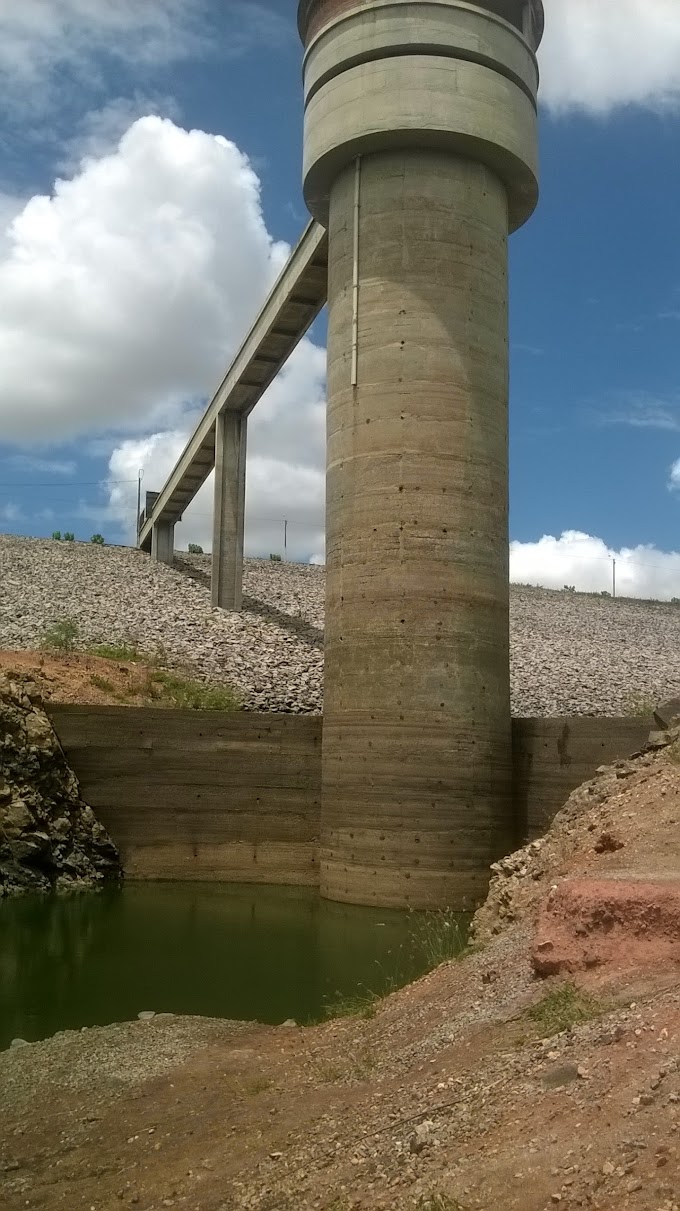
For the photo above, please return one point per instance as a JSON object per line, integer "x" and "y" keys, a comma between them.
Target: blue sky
{"x": 91, "y": 303}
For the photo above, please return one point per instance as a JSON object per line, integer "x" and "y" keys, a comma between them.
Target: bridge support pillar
{"x": 229, "y": 515}
{"x": 163, "y": 541}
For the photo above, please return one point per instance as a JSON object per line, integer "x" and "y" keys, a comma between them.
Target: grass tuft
{"x": 640, "y": 706}
{"x": 362, "y": 1003}
{"x": 563, "y": 1007}
{"x": 61, "y": 636}
{"x": 187, "y": 694}
{"x": 115, "y": 651}
{"x": 101, "y": 683}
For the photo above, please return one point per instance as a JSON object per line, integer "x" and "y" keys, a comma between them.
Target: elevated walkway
{"x": 219, "y": 440}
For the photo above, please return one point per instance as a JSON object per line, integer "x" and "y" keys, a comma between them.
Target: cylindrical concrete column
{"x": 419, "y": 157}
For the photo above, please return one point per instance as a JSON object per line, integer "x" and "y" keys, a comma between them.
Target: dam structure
{"x": 420, "y": 157}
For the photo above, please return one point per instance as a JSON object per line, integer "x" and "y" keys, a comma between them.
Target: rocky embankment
{"x": 488, "y": 1084}
{"x": 49, "y": 838}
{"x": 570, "y": 653}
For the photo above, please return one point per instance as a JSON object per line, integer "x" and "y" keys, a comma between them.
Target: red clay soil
{"x": 80, "y": 678}
{"x": 483, "y": 1087}
{"x": 588, "y": 923}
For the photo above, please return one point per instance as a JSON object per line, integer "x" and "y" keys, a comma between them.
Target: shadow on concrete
{"x": 252, "y": 605}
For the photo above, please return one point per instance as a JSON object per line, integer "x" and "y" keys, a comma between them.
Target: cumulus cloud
{"x": 598, "y": 55}
{"x": 125, "y": 293}
{"x": 285, "y": 471}
{"x": 586, "y": 562}
{"x": 38, "y": 35}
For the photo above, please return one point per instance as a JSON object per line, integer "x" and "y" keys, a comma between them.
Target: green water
{"x": 218, "y": 950}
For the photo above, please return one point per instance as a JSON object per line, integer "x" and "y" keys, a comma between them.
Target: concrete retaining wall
{"x": 202, "y": 795}
{"x": 198, "y": 794}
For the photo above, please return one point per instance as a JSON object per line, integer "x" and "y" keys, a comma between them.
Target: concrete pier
{"x": 420, "y": 157}
{"x": 229, "y": 511}
{"x": 163, "y": 541}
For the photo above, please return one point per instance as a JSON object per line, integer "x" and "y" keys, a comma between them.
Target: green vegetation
{"x": 69, "y": 536}
{"x": 98, "y": 540}
{"x": 195, "y": 549}
{"x": 438, "y": 936}
{"x": 56, "y": 535}
{"x": 564, "y": 1007}
{"x": 275, "y": 558}
{"x": 175, "y": 690}
{"x": 61, "y": 636}
{"x": 115, "y": 651}
{"x": 433, "y": 938}
{"x": 640, "y": 706}
{"x": 101, "y": 683}
{"x": 362, "y": 1003}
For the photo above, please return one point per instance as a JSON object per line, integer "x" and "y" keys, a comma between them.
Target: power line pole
{"x": 613, "y": 578}
{"x": 140, "y": 477}
{"x": 285, "y": 538}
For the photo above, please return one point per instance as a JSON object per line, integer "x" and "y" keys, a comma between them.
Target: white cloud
{"x": 124, "y": 294}
{"x": 598, "y": 55}
{"x": 10, "y": 513}
{"x": 586, "y": 563}
{"x": 38, "y": 35}
{"x": 285, "y": 470}
{"x": 101, "y": 130}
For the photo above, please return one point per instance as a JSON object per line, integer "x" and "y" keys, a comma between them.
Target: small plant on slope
{"x": 98, "y": 540}
{"x": 61, "y": 636}
{"x": 69, "y": 536}
{"x": 563, "y": 1007}
{"x": 195, "y": 549}
{"x": 56, "y": 535}
{"x": 116, "y": 651}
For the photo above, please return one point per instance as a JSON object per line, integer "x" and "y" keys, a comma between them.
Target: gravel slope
{"x": 570, "y": 654}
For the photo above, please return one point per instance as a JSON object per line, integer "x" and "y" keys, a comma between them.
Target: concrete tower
{"x": 419, "y": 157}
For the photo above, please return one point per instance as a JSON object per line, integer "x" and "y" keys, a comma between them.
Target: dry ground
{"x": 481, "y": 1086}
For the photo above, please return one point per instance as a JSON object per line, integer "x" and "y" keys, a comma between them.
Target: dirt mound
{"x": 73, "y": 677}
{"x": 589, "y": 923}
{"x": 625, "y": 822}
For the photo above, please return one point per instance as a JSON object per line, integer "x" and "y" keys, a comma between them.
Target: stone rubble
{"x": 49, "y": 838}
{"x": 570, "y": 653}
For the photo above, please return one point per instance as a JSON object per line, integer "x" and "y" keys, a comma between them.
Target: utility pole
{"x": 285, "y": 538}
{"x": 140, "y": 477}
{"x": 613, "y": 578}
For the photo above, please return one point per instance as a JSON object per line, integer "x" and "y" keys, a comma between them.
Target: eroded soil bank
{"x": 484, "y": 1085}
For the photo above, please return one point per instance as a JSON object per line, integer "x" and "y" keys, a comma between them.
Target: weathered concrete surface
{"x": 200, "y": 795}
{"x": 551, "y": 757}
{"x": 229, "y": 511}
{"x": 416, "y": 754}
{"x": 420, "y": 155}
{"x": 206, "y": 795}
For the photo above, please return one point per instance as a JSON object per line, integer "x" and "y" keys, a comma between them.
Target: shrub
{"x": 116, "y": 651}
{"x": 195, "y": 549}
{"x": 569, "y": 588}
{"x": 184, "y": 692}
{"x": 564, "y": 1007}
{"x": 605, "y": 593}
{"x": 61, "y": 636}
{"x": 69, "y": 536}
{"x": 275, "y": 558}
{"x": 56, "y": 535}
{"x": 98, "y": 540}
